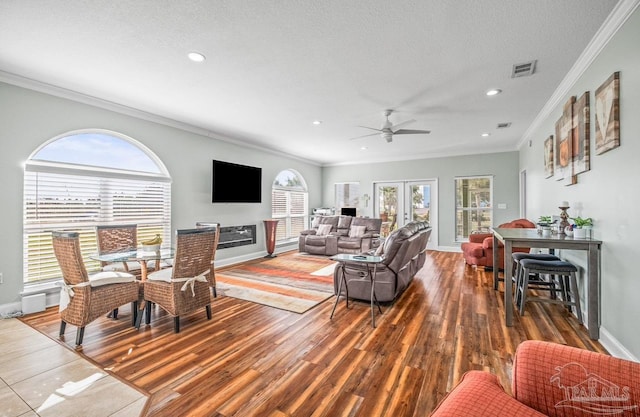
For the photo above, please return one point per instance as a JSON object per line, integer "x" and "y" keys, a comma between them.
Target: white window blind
{"x": 292, "y": 209}
{"x": 78, "y": 199}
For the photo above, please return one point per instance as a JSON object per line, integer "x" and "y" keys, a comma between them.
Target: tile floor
{"x": 39, "y": 377}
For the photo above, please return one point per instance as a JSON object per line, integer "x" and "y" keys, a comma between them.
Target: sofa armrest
{"x": 309, "y": 232}
{"x": 560, "y": 380}
{"x": 487, "y": 243}
{"x": 479, "y": 237}
{"x": 479, "y": 394}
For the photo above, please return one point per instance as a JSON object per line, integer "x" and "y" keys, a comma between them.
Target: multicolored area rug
{"x": 292, "y": 281}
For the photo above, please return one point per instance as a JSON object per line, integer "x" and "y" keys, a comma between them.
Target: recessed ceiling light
{"x": 484, "y": 135}
{"x": 196, "y": 56}
{"x": 494, "y": 91}
{"x": 363, "y": 148}
{"x": 317, "y": 122}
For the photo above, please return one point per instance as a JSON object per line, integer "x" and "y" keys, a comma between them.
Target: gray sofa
{"x": 341, "y": 238}
{"x": 403, "y": 256}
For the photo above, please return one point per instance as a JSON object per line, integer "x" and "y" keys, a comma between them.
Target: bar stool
{"x": 563, "y": 271}
{"x": 517, "y": 257}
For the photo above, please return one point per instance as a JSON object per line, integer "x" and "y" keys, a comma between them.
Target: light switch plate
{"x": 502, "y": 205}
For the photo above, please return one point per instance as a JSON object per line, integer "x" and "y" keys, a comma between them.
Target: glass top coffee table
{"x": 371, "y": 262}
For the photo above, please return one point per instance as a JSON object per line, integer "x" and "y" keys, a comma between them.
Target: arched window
{"x": 289, "y": 204}
{"x": 81, "y": 179}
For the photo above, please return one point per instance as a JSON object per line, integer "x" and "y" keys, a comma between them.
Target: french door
{"x": 398, "y": 203}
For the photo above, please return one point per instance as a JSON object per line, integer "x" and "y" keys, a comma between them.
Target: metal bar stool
{"x": 539, "y": 281}
{"x": 564, "y": 271}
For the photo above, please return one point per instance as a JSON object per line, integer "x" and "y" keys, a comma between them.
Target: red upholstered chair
{"x": 478, "y": 250}
{"x": 550, "y": 379}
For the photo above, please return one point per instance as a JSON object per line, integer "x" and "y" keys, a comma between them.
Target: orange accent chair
{"x": 478, "y": 250}
{"x": 550, "y": 379}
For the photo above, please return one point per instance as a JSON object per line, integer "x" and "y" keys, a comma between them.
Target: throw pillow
{"x": 315, "y": 222}
{"x": 357, "y": 231}
{"x": 323, "y": 229}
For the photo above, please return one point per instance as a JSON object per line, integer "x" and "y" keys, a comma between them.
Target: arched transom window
{"x": 82, "y": 179}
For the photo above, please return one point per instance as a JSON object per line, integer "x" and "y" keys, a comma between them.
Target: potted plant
{"x": 580, "y": 226}
{"x": 544, "y": 225}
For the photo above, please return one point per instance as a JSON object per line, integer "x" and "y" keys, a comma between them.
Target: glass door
{"x": 398, "y": 203}
{"x": 388, "y": 198}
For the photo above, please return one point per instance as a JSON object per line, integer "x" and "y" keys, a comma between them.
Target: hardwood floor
{"x": 253, "y": 360}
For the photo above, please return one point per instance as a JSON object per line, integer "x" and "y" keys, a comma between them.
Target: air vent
{"x": 503, "y": 125}
{"x": 523, "y": 70}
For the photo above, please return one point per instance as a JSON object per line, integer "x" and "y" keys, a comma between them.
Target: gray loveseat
{"x": 403, "y": 256}
{"x": 342, "y": 234}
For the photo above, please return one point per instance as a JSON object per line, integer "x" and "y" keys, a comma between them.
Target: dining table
{"x": 532, "y": 238}
{"x": 141, "y": 255}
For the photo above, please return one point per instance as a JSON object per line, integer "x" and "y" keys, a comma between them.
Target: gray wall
{"x": 502, "y": 166}
{"x": 29, "y": 118}
{"x": 607, "y": 192}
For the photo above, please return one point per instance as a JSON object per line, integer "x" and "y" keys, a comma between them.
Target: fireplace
{"x": 232, "y": 236}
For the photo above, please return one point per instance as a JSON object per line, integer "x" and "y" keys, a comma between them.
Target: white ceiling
{"x": 273, "y": 67}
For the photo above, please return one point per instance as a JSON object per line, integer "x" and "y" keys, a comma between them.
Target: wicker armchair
{"x": 184, "y": 287}
{"x": 84, "y": 297}
{"x": 118, "y": 238}
{"x": 211, "y": 276}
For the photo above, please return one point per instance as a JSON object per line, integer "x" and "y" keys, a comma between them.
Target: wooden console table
{"x": 529, "y": 238}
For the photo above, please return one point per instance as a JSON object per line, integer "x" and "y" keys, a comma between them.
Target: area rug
{"x": 292, "y": 281}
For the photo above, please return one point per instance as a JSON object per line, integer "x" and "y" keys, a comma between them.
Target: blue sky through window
{"x": 98, "y": 149}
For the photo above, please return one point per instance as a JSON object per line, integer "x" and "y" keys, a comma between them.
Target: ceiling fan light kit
{"x": 388, "y": 129}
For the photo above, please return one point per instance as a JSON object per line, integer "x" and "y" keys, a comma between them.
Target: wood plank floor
{"x": 253, "y": 360}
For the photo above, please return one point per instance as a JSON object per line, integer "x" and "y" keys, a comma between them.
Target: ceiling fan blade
{"x": 372, "y": 128}
{"x": 406, "y": 122}
{"x": 410, "y": 132}
{"x": 364, "y": 136}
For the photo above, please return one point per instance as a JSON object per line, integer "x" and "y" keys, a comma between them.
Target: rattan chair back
{"x": 216, "y": 226}
{"x": 116, "y": 238}
{"x": 194, "y": 251}
{"x": 211, "y": 276}
{"x": 66, "y": 246}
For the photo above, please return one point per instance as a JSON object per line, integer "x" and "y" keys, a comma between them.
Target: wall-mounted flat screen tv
{"x": 236, "y": 183}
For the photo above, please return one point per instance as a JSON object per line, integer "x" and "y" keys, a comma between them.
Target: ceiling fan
{"x": 388, "y": 130}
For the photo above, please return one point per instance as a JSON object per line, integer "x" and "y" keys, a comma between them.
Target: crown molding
{"x": 75, "y": 96}
{"x": 616, "y": 19}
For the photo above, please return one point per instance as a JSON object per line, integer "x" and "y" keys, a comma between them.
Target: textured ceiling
{"x": 274, "y": 67}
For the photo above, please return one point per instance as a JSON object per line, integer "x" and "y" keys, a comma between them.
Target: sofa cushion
{"x": 353, "y": 243}
{"x": 110, "y": 277}
{"x": 344, "y": 222}
{"x": 357, "y": 231}
{"x": 323, "y": 229}
{"x": 479, "y": 394}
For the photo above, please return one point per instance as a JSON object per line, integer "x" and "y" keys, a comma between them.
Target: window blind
{"x": 292, "y": 209}
{"x": 79, "y": 200}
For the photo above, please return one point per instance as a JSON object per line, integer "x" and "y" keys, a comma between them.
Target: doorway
{"x": 400, "y": 202}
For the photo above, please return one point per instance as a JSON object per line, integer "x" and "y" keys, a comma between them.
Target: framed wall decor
{"x": 580, "y": 134}
{"x": 608, "y": 114}
{"x": 548, "y": 157}
{"x": 563, "y": 152}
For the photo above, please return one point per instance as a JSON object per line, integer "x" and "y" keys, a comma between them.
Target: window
{"x": 347, "y": 195}
{"x": 474, "y": 208}
{"x": 289, "y": 204}
{"x": 81, "y": 179}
